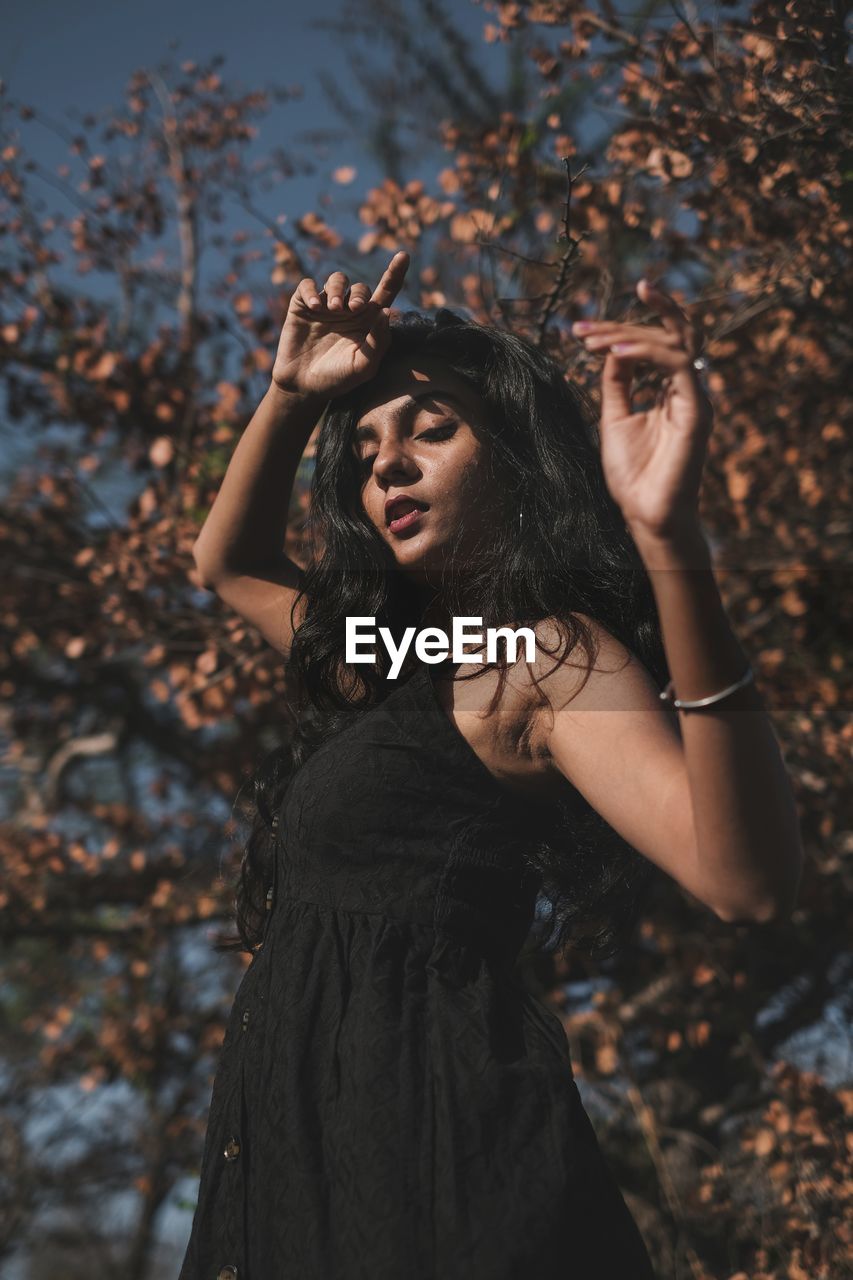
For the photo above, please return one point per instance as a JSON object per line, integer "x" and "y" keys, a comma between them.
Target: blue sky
{"x": 69, "y": 57}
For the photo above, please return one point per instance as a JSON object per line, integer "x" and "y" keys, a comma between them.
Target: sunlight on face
{"x": 418, "y": 438}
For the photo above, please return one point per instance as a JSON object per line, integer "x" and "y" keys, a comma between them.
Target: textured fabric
{"x": 390, "y": 1103}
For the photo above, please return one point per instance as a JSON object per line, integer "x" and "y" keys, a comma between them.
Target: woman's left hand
{"x": 653, "y": 460}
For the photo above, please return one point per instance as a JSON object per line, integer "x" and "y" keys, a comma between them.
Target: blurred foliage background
{"x": 706, "y": 146}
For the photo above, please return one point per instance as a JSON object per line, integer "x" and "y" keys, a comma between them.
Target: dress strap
{"x": 423, "y": 684}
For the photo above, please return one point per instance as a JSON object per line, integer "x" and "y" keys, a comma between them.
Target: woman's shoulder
{"x": 586, "y": 666}
{"x": 564, "y": 651}
{"x": 576, "y": 641}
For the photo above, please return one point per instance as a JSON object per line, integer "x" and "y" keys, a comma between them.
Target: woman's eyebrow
{"x": 408, "y": 405}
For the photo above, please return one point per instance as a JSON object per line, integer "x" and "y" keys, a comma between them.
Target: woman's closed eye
{"x": 443, "y": 432}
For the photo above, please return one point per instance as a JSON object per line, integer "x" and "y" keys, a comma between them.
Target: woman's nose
{"x": 392, "y": 459}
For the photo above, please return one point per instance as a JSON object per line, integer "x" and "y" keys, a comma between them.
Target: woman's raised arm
{"x": 239, "y": 552}
{"x": 329, "y": 343}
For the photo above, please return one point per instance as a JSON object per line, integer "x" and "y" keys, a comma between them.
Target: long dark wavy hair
{"x": 557, "y": 546}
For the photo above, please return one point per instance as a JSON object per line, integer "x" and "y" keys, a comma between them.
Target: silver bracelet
{"x": 667, "y": 694}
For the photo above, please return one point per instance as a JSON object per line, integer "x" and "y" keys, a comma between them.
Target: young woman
{"x": 390, "y": 1102}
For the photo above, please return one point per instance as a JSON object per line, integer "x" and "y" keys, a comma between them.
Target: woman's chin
{"x": 422, "y": 555}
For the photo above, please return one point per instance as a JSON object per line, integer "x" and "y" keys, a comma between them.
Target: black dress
{"x": 389, "y": 1102}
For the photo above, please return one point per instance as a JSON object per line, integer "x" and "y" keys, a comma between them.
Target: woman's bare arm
{"x": 708, "y": 798}
{"x": 332, "y": 339}
{"x": 239, "y": 552}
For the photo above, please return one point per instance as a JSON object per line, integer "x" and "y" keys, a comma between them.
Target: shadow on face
{"x": 427, "y": 481}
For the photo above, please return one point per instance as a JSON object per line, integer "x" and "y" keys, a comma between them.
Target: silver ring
{"x": 701, "y": 364}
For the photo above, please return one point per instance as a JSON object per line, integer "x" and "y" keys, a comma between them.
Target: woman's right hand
{"x": 330, "y": 344}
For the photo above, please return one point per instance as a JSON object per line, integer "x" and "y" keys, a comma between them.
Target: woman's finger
{"x": 668, "y": 357}
{"x": 673, "y": 317}
{"x": 307, "y": 292}
{"x": 392, "y": 280}
{"x": 335, "y": 287}
{"x": 359, "y": 296}
{"x": 628, "y": 333}
{"x": 682, "y": 377}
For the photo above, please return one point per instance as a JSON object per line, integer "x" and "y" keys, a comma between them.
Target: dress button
{"x": 233, "y": 1149}
{"x": 227, "y": 1273}
{"x": 245, "y": 1019}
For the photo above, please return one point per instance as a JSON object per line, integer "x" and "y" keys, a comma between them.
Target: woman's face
{"x": 418, "y": 438}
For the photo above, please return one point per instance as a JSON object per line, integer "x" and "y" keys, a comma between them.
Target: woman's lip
{"x": 403, "y": 522}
